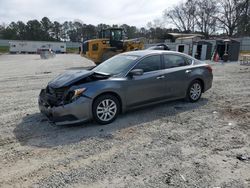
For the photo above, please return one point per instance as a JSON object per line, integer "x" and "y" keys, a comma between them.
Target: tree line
{"x": 46, "y": 30}
{"x": 207, "y": 17}
{"x": 210, "y": 17}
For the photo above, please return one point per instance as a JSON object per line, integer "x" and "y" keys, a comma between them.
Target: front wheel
{"x": 105, "y": 109}
{"x": 194, "y": 91}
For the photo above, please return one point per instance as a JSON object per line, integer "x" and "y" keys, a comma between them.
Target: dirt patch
{"x": 239, "y": 113}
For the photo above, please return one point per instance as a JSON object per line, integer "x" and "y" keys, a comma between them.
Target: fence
{"x": 4, "y": 43}
{"x": 244, "y": 44}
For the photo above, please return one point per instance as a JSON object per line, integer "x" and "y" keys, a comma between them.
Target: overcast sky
{"x": 132, "y": 12}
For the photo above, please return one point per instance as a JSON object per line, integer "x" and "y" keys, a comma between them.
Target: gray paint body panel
{"x": 137, "y": 91}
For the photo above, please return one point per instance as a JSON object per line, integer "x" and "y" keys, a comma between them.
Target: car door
{"x": 177, "y": 74}
{"x": 148, "y": 87}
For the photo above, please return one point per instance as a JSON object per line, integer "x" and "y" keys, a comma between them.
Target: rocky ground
{"x": 175, "y": 144}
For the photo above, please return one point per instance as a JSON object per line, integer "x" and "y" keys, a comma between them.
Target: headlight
{"x": 74, "y": 94}
{"x": 78, "y": 92}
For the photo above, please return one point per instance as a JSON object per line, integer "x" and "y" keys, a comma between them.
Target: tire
{"x": 194, "y": 91}
{"x": 105, "y": 109}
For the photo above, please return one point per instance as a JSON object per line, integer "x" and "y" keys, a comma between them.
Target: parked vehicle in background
{"x": 159, "y": 47}
{"x": 125, "y": 81}
{"x": 110, "y": 42}
{"x": 47, "y": 54}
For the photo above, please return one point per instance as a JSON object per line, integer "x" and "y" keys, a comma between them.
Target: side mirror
{"x": 136, "y": 72}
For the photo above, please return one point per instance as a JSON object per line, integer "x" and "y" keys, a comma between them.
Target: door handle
{"x": 188, "y": 71}
{"x": 160, "y": 77}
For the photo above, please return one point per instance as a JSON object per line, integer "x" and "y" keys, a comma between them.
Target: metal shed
{"x": 228, "y": 49}
{"x": 202, "y": 50}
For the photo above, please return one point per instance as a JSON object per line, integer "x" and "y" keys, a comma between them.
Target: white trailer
{"x": 36, "y": 46}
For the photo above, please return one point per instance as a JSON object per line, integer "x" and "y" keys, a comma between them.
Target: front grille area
{"x": 55, "y": 96}
{"x": 58, "y": 93}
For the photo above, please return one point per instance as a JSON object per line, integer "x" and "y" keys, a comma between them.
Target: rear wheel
{"x": 194, "y": 91}
{"x": 105, "y": 109}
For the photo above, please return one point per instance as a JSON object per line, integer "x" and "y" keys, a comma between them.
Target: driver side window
{"x": 149, "y": 64}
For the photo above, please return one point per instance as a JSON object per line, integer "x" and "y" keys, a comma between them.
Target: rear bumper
{"x": 208, "y": 83}
{"x": 75, "y": 112}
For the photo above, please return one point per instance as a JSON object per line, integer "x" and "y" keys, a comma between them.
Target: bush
{"x": 4, "y": 49}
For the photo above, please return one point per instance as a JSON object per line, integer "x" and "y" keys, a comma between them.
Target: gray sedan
{"x": 125, "y": 81}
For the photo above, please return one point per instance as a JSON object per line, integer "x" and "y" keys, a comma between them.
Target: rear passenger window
{"x": 149, "y": 64}
{"x": 197, "y": 62}
{"x": 171, "y": 61}
{"x": 189, "y": 61}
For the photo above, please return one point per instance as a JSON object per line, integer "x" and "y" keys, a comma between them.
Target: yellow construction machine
{"x": 110, "y": 42}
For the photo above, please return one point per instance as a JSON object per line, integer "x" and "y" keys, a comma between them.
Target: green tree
{"x": 244, "y": 25}
{"x": 56, "y": 31}
{"x": 72, "y": 33}
{"x": 34, "y": 30}
{"x": 131, "y": 31}
{"x": 90, "y": 31}
{"x": 21, "y": 31}
{"x": 102, "y": 26}
{"x": 10, "y": 32}
{"x": 46, "y": 26}
{"x": 1, "y": 31}
{"x": 64, "y": 32}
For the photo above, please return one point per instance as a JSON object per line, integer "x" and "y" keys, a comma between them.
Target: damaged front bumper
{"x": 76, "y": 112}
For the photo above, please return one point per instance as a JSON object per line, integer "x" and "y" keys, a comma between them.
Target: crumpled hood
{"x": 68, "y": 78}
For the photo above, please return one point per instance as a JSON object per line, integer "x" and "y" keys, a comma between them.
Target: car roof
{"x": 142, "y": 53}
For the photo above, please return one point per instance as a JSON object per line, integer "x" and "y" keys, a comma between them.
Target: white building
{"x": 36, "y": 46}
{"x": 185, "y": 44}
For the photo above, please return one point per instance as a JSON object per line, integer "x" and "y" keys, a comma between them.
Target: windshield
{"x": 116, "y": 64}
{"x": 116, "y": 35}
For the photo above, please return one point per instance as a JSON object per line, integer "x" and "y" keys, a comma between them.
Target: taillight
{"x": 209, "y": 68}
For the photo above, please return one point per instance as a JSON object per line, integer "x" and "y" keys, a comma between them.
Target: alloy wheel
{"x": 195, "y": 91}
{"x": 106, "y": 110}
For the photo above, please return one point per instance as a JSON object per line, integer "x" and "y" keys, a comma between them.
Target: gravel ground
{"x": 175, "y": 144}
